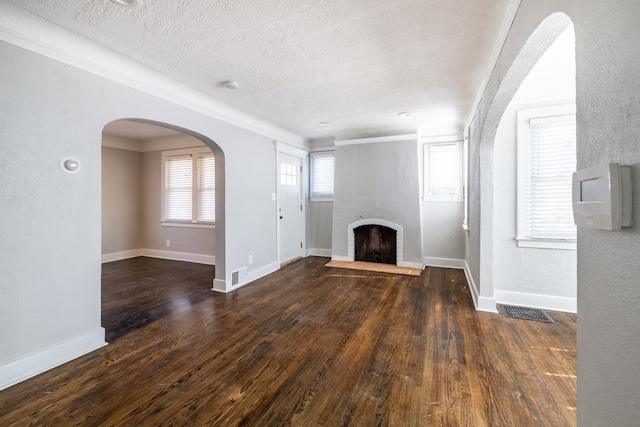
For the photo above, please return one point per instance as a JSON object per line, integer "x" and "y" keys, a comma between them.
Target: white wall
{"x": 608, "y": 120}
{"x": 544, "y": 278}
{"x": 51, "y": 252}
{"x": 443, "y": 237}
{"x": 378, "y": 181}
{"x": 121, "y": 200}
{"x": 320, "y": 227}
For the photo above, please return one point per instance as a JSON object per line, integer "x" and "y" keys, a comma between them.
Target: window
{"x": 443, "y": 172}
{"x": 322, "y": 167}
{"x": 288, "y": 174}
{"x": 188, "y": 187}
{"x": 546, "y": 162}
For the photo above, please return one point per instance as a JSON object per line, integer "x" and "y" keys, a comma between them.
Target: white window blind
{"x": 178, "y": 188}
{"x": 189, "y": 187}
{"x": 206, "y": 188}
{"x": 552, "y": 161}
{"x": 322, "y": 170}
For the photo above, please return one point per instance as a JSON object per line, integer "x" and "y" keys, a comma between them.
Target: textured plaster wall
{"x": 51, "y": 251}
{"x": 608, "y": 115}
{"x": 378, "y": 181}
{"x": 49, "y": 220}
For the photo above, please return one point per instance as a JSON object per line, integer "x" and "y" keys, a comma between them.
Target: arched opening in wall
{"x": 160, "y": 206}
{"x": 534, "y": 156}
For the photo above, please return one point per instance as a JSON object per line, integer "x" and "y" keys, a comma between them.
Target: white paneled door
{"x": 290, "y": 207}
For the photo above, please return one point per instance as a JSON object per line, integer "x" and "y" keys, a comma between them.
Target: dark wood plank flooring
{"x": 139, "y": 291}
{"x": 306, "y": 346}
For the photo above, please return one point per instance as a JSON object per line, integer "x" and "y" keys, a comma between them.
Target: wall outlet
{"x": 168, "y": 243}
{"x": 250, "y": 259}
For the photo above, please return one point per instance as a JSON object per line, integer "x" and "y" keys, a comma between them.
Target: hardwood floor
{"x": 306, "y": 346}
{"x": 138, "y": 291}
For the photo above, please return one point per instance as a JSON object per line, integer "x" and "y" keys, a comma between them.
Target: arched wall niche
{"x": 220, "y": 241}
{"x": 533, "y": 49}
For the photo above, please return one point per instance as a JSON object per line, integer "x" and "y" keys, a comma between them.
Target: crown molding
{"x": 408, "y": 137}
{"x": 39, "y": 36}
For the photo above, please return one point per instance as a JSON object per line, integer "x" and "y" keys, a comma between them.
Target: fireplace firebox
{"x": 375, "y": 243}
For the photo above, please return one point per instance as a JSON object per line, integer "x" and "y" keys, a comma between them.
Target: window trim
{"x": 524, "y": 116}
{"x": 320, "y": 197}
{"x": 428, "y": 196}
{"x": 195, "y": 153}
{"x": 465, "y": 181}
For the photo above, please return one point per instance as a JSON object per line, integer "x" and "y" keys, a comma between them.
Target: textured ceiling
{"x": 354, "y": 63}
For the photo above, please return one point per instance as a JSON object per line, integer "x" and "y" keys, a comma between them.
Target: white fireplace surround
{"x": 351, "y": 241}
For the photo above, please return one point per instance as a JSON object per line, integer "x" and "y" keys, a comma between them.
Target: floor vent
{"x": 525, "y": 313}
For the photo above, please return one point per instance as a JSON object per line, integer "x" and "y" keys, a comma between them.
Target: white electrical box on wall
{"x": 602, "y": 197}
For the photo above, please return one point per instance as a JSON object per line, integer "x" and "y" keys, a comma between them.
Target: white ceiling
{"x": 354, "y": 63}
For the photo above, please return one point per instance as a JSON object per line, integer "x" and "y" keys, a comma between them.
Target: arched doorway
{"x": 162, "y": 199}
{"x": 534, "y": 238}
{"x": 537, "y": 44}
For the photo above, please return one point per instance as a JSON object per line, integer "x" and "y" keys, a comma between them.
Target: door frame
{"x": 282, "y": 148}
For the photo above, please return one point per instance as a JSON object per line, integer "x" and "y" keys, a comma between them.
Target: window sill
{"x": 321, "y": 199}
{"x": 188, "y": 225}
{"x": 546, "y": 243}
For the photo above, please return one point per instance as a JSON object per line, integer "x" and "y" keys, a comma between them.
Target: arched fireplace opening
{"x": 375, "y": 243}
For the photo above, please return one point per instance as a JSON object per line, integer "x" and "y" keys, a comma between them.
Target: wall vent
{"x": 239, "y": 276}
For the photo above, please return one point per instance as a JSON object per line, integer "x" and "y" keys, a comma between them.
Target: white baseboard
{"x": 37, "y": 363}
{"x": 443, "y": 262}
{"x": 545, "y": 302}
{"x": 117, "y": 256}
{"x": 219, "y": 285}
{"x": 486, "y": 304}
{"x": 180, "y": 256}
{"x": 341, "y": 258}
{"x": 409, "y": 264}
{"x": 226, "y": 286}
{"x": 481, "y": 303}
{"x": 154, "y": 253}
{"x": 319, "y": 252}
{"x": 261, "y": 272}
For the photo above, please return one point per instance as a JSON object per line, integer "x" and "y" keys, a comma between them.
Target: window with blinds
{"x": 189, "y": 189}
{"x": 547, "y": 160}
{"x": 443, "y": 171}
{"x": 178, "y": 188}
{"x": 206, "y": 188}
{"x": 552, "y": 161}
{"x": 322, "y": 171}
